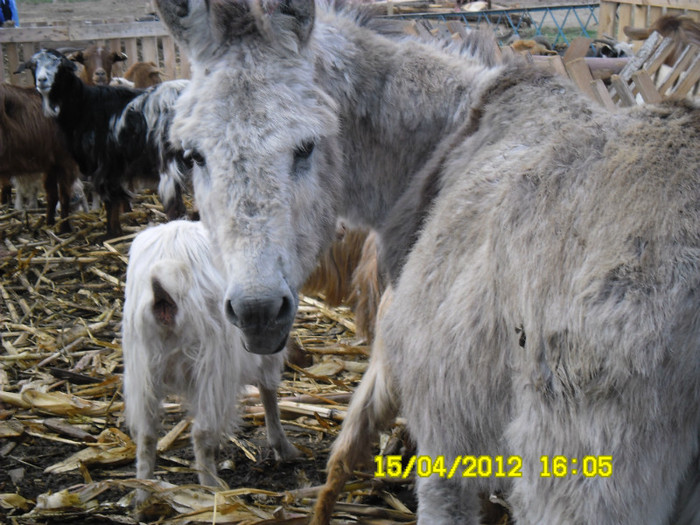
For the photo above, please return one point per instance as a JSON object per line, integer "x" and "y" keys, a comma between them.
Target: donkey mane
{"x": 405, "y": 221}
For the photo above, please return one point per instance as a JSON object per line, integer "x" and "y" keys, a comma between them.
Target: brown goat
{"x": 31, "y": 142}
{"x": 144, "y": 74}
{"x": 97, "y": 62}
{"x": 684, "y": 30}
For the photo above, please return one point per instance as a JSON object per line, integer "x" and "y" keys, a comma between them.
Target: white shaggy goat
{"x": 176, "y": 340}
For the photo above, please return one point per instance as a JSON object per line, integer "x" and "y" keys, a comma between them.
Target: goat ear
{"x": 188, "y": 21}
{"x": 69, "y": 64}
{"x": 77, "y": 57}
{"x": 24, "y": 66}
{"x": 164, "y": 307}
{"x": 119, "y": 57}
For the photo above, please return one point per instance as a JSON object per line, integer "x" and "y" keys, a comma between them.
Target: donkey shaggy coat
{"x": 176, "y": 341}
{"x": 544, "y": 253}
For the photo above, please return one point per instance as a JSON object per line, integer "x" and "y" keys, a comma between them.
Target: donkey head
{"x": 260, "y": 136}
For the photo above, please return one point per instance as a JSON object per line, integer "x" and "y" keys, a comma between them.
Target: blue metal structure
{"x": 526, "y": 22}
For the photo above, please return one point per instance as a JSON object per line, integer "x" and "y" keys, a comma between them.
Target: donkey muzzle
{"x": 265, "y": 320}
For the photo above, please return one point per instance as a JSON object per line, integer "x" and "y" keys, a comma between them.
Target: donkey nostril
{"x": 286, "y": 309}
{"x": 231, "y": 314}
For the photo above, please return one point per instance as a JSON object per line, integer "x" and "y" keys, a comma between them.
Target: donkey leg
{"x": 205, "y": 442}
{"x": 373, "y": 408}
{"x": 447, "y": 501}
{"x": 275, "y": 433}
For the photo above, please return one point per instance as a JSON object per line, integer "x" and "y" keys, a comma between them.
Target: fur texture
{"x": 176, "y": 341}
{"x": 142, "y": 131}
{"x": 22, "y": 127}
{"x": 117, "y": 135}
{"x": 27, "y": 190}
{"x": 144, "y": 74}
{"x": 546, "y": 300}
{"x": 97, "y": 64}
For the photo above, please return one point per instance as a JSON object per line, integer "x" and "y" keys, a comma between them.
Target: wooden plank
{"x": 692, "y": 76}
{"x": 637, "y": 61}
{"x": 553, "y": 64}
{"x": 132, "y": 50}
{"x": 654, "y": 14}
{"x": 457, "y": 28}
{"x": 34, "y": 34}
{"x": 149, "y": 50}
{"x": 606, "y": 19}
{"x": 581, "y": 75}
{"x": 603, "y": 68}
{"x": 25, "y": 52}
{"x": 681, "y": 65}
{"x": 602, "y": 95}
{"x": 645, "y": 86}
{"x": 75, "y": 31}
{"x": 123, "y": 30}
{"x": 169, "y": 60}
{"x": 12, "y": 51}
{"x": 579, "y": 47}
{"x": 659, "y": 56}
{"x": 639, "y": 16}
{"x": 624, "y": 18}
{"x": 622, "y": 91}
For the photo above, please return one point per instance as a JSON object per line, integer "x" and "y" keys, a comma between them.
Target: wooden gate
{"x": 141, "y": 41}
{"x": 615, "y": 15}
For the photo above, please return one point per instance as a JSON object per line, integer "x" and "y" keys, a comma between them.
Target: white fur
{"x": 199, "y": 357}
{"x": 27, "y": 188}
{"x": 121, "y": 81}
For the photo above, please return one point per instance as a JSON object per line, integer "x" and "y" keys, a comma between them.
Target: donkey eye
{"x": 304, "y": 151}
{"x": 192, "y": 157}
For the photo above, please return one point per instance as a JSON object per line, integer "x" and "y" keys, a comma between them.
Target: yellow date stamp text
{"x": 490, "y": 466}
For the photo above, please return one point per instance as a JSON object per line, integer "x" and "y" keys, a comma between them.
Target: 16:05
{"x": 589, "y": 466}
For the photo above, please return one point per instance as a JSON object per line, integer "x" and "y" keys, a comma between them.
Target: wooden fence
{"x": 615, "y": 15}
{"x": 141, "y": 41}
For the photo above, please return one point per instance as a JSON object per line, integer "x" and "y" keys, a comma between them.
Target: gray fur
{"x": 537, "y": 210}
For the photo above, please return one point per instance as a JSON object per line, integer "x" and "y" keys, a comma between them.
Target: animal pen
{"x": 64, "y": 452}
{"x": 146, "y": 41}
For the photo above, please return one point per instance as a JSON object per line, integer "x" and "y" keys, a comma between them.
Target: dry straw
{"x": 60, "y": 394}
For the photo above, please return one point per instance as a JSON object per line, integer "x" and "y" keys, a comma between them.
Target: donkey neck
{"x": 398, "y": 98}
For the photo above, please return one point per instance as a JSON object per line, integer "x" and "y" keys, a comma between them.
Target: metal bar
{"x": 525, "y": 20}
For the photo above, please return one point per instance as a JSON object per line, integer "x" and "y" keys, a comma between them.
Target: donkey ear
{"x": 300, "y": 13}
{"x": 275, "y": 20}
{"x": 188, "y": 22}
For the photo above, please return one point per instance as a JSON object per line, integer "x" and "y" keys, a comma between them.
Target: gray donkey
{"x": 544, "y": 253}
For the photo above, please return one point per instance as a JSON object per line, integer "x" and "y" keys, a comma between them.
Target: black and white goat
{"x": 107, "y": 132}
{"x": 176, "y": 340}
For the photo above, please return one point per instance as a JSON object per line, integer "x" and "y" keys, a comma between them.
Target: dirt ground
{"x": 61, "y": 372}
